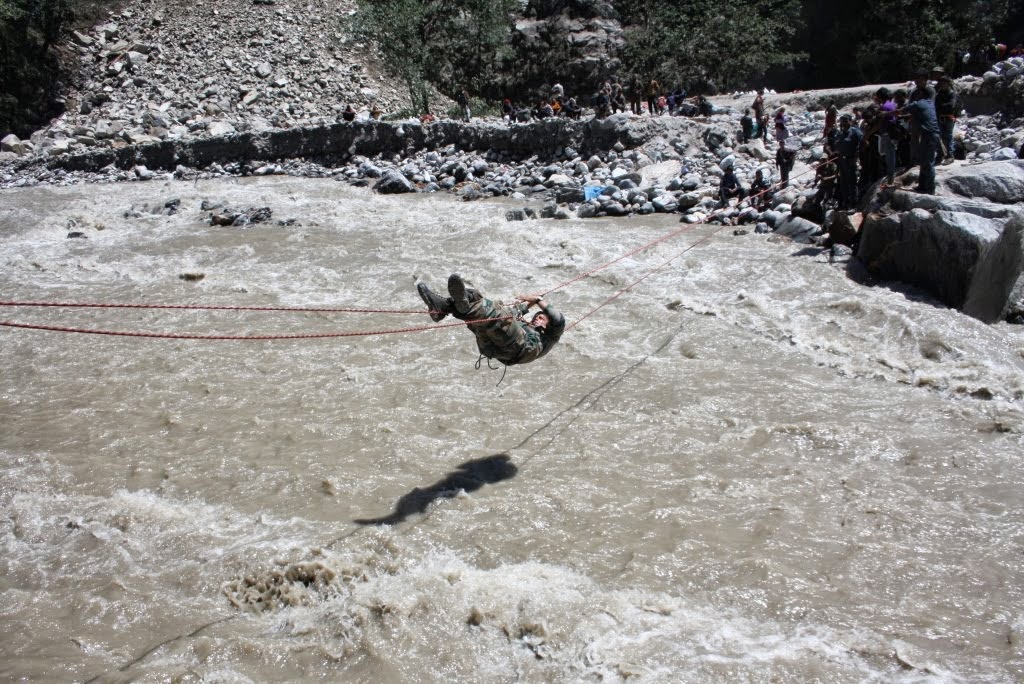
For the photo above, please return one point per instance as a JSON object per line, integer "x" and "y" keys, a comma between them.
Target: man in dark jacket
{"x": 947, "y": 109}
{"x": 926, "y": 123}
{"x": 500, "y": 330}
{"x": 847, "y": 146}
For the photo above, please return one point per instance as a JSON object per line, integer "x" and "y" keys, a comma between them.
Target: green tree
{"x": 872, "y": 41}
{"x": 451, "y": 44}
{"x": 929, "y": 34}
{"x": 28, "y": 29}
{"x": 718, "y": 44}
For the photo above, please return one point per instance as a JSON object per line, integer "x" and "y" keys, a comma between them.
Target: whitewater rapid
{"x": 742, "y": 466}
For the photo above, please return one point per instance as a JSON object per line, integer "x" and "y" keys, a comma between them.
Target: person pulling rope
{"x": 501, "y": 331}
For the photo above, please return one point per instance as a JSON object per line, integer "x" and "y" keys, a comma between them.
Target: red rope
{"x": 679, "y": 231}
{"x": 200, "y": 307}
{"x": 189, "y": 336}
{"x": 665, "y": 263}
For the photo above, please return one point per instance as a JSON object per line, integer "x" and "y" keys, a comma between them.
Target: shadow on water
{"x": 469, "y": 477}
{"x": 809, "y": 251}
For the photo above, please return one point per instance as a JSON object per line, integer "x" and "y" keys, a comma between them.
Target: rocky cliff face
{"x": 572, "y": 42}
{"x": 173, "y": 68}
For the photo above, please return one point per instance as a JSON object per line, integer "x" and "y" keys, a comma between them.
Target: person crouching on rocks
{"x": 501, "y": 332}
{"x": 730, "y": 187}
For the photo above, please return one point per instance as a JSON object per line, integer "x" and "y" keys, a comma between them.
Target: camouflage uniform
{"x": 511, "y": 340}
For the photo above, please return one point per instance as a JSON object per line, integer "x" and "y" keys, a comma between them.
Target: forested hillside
{"x": 498, "y": 48}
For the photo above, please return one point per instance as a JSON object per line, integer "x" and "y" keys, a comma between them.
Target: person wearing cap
{"x": 923, "y": 119}
{"x": 785, "y": 159}
{"x": 947, "y": 108}
{"x": 922, "y": 91}
{"x": 761, "y": 191}
{"x": 847, "y": 146}
{"x": 500, "y": 330}
{"x": 730, "y": 187}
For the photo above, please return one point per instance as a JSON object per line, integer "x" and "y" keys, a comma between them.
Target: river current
{"x": 739, "y": 465}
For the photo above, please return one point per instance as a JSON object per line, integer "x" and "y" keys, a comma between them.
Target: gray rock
{"x": 569, "y": 195}
{"x": 843, "y": 228}
{"x": 715, "y": 136}
{"x": 800, "y": 229}
{"x": 772, "y": 218}
{"x": 968, "y": 262}
{"x": 218, "y": 128}
{"x": 469, "y": 192}
{"x": 665, "y": 204}
{"x": 1001, "y": 182}
{"x": 11, "y": 143}
{"x": 393, "y": 183}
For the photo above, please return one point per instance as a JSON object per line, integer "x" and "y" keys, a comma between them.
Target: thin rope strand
{"x": 202, "y": 307}
{"x": 190, "y": 336}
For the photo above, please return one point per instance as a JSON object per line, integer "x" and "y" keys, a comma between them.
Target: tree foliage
{"x": 28, "y": 28}
{"x": 871, "y": 41}
{"x": 709, "y": 44}
{"x": 453, "y": 44}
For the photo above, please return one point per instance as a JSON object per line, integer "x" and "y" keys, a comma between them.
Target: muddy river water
{"x": 742, "y": 466}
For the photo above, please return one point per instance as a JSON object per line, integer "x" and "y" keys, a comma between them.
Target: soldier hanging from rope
{"x": 501, "y": 332}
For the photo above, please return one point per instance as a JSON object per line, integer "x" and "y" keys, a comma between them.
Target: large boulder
{"x": 843, "y": 228}
{"x": 965, "y": 249}
{"x": 1001, "y": 182}
{"x": 393, "y": 183}
{"x": 800, "y": 229}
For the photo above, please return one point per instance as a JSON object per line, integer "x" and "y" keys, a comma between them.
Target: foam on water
{"x": 745, "y": 468}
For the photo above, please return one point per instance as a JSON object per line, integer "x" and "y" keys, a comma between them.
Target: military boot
{"x": 462, "y": 296}
{"x": 439, "y": 306}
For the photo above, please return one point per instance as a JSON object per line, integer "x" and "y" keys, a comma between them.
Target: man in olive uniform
{"x": 501, "y": 332}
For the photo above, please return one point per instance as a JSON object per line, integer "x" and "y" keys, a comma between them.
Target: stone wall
{"x": 337, "y": 143}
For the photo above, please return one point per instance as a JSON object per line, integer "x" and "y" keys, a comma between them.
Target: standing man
{"x": 636, "y": 96}
{"x": 785, "y": 159}
{"x": 926, "y": 123}
{"x": 831, "y": 119}
{"x": 759, "y": 117}
{"x": 653, "y": 90}
{"x": 848, "y": 144}
{"x": 882, "y": 126}
{"x": 747, "y": 126}
{"x": 947, "y": 109}
{"x": 463, "y": 101}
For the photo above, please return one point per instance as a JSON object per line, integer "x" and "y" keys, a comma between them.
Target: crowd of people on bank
{"x": 613, "y": 97}
{"x": 898, "y": 130}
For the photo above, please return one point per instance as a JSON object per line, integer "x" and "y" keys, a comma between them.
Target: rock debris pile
{"x": 157, "y": 71}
